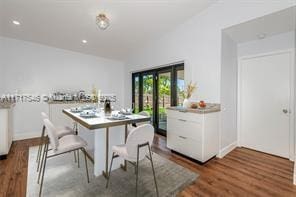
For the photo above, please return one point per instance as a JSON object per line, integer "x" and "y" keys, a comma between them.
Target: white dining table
{"x": 100, "y": 125}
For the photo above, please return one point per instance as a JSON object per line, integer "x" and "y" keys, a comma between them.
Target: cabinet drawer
{"x": 186, "y": 146}
{"x": 185, "y": 128}
{"x": 194, "y": 117}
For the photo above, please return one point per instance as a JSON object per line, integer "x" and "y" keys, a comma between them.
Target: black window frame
{"x": 155, "y": 72}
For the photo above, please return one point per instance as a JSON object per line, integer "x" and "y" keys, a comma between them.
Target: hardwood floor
{"x": 13, "y": 170}
{"x": 243, "y": 172}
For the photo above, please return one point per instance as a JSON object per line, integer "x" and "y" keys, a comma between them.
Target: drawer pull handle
{"x": 182, "y": 137}
{"x": 182, "y": 120}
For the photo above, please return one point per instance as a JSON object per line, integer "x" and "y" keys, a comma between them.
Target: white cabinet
{"x": 195, "y": 135}
{"x": 6, "y": 131}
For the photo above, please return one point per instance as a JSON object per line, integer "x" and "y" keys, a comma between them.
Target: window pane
{"x": 164, "y": 98}
{"x": 137, "y": 92}
{"x": 148, "y": 94}
{"x": 180, "y": 87}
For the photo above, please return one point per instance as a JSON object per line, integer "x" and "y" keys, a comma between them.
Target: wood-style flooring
{"x": 243, "y": 172}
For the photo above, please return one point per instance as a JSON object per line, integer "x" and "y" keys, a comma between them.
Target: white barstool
{"x": 61, "y": 132}
{"x": 66, "y": 144}
{"x": 137, "y": 147}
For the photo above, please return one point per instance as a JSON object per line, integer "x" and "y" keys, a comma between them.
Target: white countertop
{"x": 210, "y": 108}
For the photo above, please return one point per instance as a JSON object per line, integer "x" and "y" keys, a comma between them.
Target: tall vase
{"x": 186, "y": 103}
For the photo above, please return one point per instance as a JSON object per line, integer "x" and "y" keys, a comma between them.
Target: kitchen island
{"x": 194, "y": 132}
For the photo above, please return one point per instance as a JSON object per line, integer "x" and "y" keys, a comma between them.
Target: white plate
{"x": 118, "y": 117}
{"x": 76, "y": 109}
{"x": 87, "y": 114}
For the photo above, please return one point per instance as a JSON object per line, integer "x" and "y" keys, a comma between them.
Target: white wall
{"x": 34, "y": 68}
{"x": 269, "y": 44}
{"x": 198, "y": 42}
{"x": 2, "y": 69}
{"x": 229, "y": 67}
{"x": 295, "y": 110}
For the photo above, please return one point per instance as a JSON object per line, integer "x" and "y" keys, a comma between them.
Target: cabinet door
{"x": 186, "y": 146}
{"x": 4, "y": 141}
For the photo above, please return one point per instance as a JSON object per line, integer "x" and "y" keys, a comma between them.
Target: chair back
{"x": 137, "y": 136}
{"x": 44, "y": 116}
{"x": 51, "y": 131}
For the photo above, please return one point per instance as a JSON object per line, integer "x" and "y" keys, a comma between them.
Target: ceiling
{"x": 65, "y": 23}
{"x": 269, "y": 25}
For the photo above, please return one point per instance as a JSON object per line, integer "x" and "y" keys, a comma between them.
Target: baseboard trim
{"x": 3, "y": 157}
{"x": 224, "y": 151}
{"x": 23, "y": 136}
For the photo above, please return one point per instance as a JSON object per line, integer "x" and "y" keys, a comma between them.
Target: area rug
{"x": 63, "y": 178}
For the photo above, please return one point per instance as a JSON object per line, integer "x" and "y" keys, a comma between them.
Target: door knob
{"x": 285, "y": 111}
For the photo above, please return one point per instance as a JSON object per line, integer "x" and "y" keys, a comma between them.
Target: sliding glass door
{"x": 147, "y": 98}
{"x": 155, "y": 90}
{"x": 164, "y": 98}
{"x": 180, "y": 85}
{"x": 136, "y": 93}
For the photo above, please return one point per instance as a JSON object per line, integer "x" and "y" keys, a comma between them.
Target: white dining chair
{"x": 66, "y": 144}
{"x": 60, "y": 130}
{"x": 137, "y": 148}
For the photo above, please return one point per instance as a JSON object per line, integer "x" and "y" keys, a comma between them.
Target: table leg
{"x": 124, "y": 166}
{"x": 76, "y": 133}
{"x": 105, "y": 173}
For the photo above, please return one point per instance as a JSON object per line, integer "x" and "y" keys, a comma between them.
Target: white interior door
{"x": 265, "y": 103}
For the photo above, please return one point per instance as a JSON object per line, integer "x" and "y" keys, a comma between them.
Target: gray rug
{"x": 63, "y": 178}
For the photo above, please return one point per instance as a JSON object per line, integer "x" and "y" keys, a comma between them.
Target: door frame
{"x": 292, "y": 132}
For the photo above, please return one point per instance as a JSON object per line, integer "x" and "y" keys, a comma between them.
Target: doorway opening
{"x": 155, "y": 90}
{"x": 257, "y": 84}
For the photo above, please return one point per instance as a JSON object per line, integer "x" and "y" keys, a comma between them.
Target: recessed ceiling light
{"x": 16, "y": 22}
{"x": 84, "y": 41}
